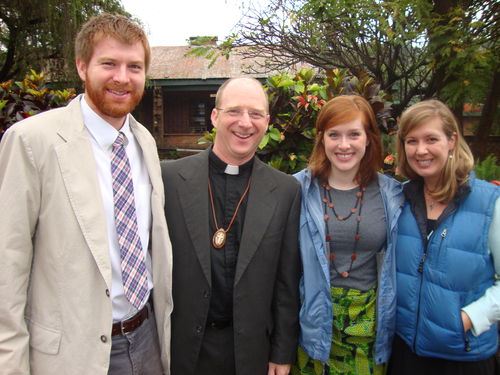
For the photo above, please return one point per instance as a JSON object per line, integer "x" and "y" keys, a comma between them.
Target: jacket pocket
{"x": 44, "y": 339}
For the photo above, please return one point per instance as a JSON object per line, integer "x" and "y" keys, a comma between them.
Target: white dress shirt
{"x": 102, "y": 137}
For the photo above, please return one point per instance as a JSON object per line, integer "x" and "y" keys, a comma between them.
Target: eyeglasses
{"x": 238, "y": 112}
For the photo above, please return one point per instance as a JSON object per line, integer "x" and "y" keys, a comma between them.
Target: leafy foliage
{"x": 488, "y": 169}
{"x": 295, "y": 101}
{"x": 464, "y": 49}
{"x": 21, "y": 99}
{"x": 203, "y": 47}
{"x": 36, "y": 32}
{"x": 415, "y": 49}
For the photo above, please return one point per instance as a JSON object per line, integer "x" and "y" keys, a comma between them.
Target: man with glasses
{"x": 233, "y": 223}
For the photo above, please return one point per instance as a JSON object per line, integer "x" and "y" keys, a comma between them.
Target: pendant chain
{"x": 328, "y": 203}
{"x": 219, "y": 237}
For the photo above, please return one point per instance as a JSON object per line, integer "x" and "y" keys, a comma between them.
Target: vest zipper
{"x": 421, "y": 263}
{"x": 421, "y": 271}
{"x": 467, "y": 343}
{"x": 418, "y": 311}
{"x": 440, "y": 248}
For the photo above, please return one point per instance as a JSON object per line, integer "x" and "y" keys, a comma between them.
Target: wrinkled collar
{"x": 102, "y": 131}
{"x": 413, "y": 190}
{"x": 414, "y": 194}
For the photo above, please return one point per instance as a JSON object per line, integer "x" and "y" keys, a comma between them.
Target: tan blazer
{"x": 55, "y": 273}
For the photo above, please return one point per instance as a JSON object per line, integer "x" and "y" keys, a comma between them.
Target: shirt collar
{"x": 101, "y": 130}
{"x": 220, "y": 166}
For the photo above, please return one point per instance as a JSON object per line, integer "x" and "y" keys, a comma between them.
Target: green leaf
{"x": 286, "y": 83}
{"x": 264, "y": 141}
{"x": 302, "y": 358}
{"x": 299, "y": 87}
{"x": 276, "y": 162}
{"x": 275, "y": 134}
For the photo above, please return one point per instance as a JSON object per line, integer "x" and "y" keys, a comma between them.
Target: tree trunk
{"x": 487, "y": 117}
{"x": 6, "y": 71}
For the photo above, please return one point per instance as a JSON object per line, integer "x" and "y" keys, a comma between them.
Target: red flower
{"x": 389, "y": 159}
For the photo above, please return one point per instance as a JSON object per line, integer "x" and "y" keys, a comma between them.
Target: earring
{"x": 450, "y": 156}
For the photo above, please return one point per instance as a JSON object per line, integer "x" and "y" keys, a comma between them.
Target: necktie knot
{"x": 119, "y": 141}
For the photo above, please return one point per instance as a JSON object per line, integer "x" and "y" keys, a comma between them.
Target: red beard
{"x": 108, "y": 106}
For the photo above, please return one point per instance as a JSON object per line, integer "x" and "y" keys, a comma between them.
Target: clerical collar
{"x": 232, "y": 169}
{"x": 221, "y": 167}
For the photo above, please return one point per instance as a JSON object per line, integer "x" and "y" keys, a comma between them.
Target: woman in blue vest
{"x": 448, "y": 252}
{"x": 347, "y": 233}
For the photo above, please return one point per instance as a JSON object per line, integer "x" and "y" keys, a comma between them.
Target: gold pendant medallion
{"x": 219, "y": 238}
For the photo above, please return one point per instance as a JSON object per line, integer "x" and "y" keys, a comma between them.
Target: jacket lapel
{"x": 260, "y": 208}
{"x": 193, "y": 197}
{"x": 79, "y": 173}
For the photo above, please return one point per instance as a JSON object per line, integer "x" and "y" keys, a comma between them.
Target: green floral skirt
{"x": 353, "y": 341}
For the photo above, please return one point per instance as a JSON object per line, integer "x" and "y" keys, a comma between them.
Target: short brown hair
{"x": 459, "y": 164}
{"x": 338, "y": 111}
{"x": 115, "y": 26}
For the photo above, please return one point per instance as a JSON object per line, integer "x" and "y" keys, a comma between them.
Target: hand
{"x": 467, "y": 323}
{"x": 275, "y": 369}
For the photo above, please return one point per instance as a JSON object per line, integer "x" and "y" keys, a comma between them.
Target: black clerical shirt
{"x": 227, "y": 190}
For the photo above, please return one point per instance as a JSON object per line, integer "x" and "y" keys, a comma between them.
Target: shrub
{"x": 295, "y": 102}
{"x": 488, "y": 169}
{"x": 28, "y": 97}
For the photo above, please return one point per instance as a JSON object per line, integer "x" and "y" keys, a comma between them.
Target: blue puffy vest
{"x": 455, "y": 270}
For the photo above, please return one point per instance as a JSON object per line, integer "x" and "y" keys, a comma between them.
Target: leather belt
{"x": 130, "y": 325}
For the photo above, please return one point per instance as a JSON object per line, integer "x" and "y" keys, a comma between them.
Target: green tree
{"x": 382, "y": 38}
{"x": 415, "y": 49}
{"x": 465, "y": 46}
{"x": 33, "y": 32}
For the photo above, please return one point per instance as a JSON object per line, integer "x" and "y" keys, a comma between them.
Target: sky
{"x": 172, "y": 22}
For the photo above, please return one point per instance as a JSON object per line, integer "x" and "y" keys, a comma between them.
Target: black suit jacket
{"x": 265, "y": 297}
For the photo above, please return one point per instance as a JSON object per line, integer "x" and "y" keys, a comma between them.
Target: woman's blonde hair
{"x": 460, "y": 160}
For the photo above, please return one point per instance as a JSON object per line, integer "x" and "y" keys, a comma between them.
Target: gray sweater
{"x": 372, "y": 229}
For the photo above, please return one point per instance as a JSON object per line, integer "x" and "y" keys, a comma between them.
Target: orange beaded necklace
{"x": 328, "y": 203}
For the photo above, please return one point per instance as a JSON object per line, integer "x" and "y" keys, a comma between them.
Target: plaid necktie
{"x": 135, "y": 281}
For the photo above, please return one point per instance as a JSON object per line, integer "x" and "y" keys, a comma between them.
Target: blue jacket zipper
{"x": 421, "y": 271}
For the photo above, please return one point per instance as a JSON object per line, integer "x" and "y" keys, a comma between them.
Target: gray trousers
{"x": 138, "y": 352}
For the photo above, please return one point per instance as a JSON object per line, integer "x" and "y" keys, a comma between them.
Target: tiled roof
{"x": 171, "y": 63}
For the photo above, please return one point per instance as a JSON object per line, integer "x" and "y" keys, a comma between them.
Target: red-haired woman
{"x": 347, "y": 236}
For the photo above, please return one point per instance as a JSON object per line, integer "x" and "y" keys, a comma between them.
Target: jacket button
{"x": 104, "y": 338}
{"x": 206, "y": 294}
{"x": 199, "y": 329}
{"x": 107, "y": 292}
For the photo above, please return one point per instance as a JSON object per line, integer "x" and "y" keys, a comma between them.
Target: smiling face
{"x": 345, "y": 146}
{"x": 114, "y": 78}
{"x": 427, "y": 149}
{"x": 240, "y": 120}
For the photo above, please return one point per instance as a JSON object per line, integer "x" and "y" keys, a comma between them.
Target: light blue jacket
{"x": 316, "y": 318}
